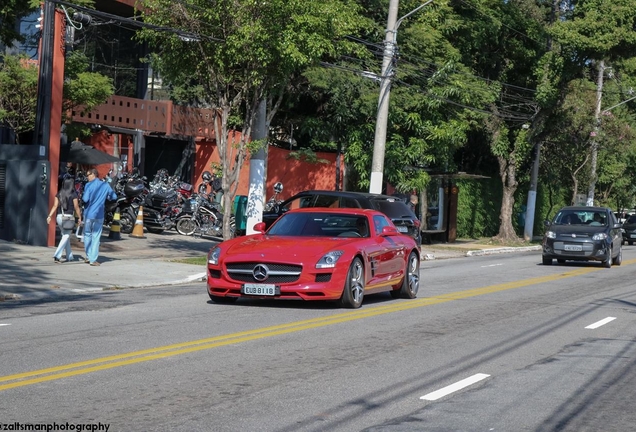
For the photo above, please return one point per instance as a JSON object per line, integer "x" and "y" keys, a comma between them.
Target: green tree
{"x": 598, "y": 32}
{"x": 83, "y": 91}
{"x": 10, "y": 12}
{"x": 18, "y": 94}
{"x": 241, "y": 52}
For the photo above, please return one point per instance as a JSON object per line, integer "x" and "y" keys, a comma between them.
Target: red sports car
{"x": 317, "y": 254}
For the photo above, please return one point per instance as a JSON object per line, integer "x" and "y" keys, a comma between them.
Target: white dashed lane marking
{"x": 454, "y": 387}
{"x": 600, "y": 323}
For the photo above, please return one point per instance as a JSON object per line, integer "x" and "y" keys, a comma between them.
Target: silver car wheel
{"x": 356, "y": 283}
{"x": 353, "y": 291}
{"x": 414, "y": 274}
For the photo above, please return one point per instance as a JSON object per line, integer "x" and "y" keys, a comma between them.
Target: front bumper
{"x": 313, "y": 284}
{"x": 589, "y": 250}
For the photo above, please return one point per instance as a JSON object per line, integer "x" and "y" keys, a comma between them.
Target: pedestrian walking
{"x": 66, "y": 202}
{"x": 413, "y": 204}
{"x": 217, "y": 188}
{"x": 95, "y": 194}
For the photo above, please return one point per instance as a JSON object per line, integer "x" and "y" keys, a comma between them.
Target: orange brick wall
{"x": 296, "y": 175}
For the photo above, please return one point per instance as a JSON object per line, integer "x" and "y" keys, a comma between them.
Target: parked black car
{"x": 396, "y": 209}
{"x": 629, "y": 230}
{"x": 583, "y": 234}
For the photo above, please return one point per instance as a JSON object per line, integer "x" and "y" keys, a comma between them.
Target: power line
{"x": 136, "y": 23}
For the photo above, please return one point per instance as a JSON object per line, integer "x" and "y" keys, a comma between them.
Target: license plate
{"x": 632, "y": 236}
{"x": 402, "y": 229}
{"x": 259, "y": 289}
{"x": 574, "y": 248}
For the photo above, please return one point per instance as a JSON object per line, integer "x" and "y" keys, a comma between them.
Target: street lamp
{"x": 379, "y": 143}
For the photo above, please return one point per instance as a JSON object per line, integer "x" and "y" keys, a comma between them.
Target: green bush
{"x": 479, "y": 207}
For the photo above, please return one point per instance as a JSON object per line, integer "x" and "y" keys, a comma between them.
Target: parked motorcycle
{"x": 160, "y": 211}
{"x": 206, "y": 218}
{"x": 125, "y": 204}
{"x": 272, "y": 205}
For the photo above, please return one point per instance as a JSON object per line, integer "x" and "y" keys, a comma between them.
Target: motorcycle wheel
{"x": 126, "y": 223}
{"x": 186, "y": 226}
{"x": 232, "y": 227}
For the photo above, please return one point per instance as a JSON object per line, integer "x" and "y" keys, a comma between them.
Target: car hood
{"x": 287, "y": 248}
{"x": 580, "y": 230}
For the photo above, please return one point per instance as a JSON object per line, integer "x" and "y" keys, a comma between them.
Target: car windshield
{"x": 631, "y": 219}
{"x": 591, "y": 218}
{"x": 394, "y": 209}
{"x": 320, "y": 225}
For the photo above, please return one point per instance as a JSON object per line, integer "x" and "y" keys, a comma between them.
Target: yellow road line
{"x": 110, "y": 362}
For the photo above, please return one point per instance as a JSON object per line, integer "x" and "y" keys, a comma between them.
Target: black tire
{"x": 126, "y": 222}
{"x": 411, "y": 282}
{"x": 547, "y": 261}
{"x": 608, "y": 262}
{"x": 619, "y": 258}
{"x": 630, "y": 243}
{"x": 224, "y": 300}
{"x": 155, "y": 230}
{"x": 186, "y": 226}
{"x": 353, "y": 292}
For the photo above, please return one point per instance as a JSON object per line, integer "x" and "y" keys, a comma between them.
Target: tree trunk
{"x": 508, "y": 173}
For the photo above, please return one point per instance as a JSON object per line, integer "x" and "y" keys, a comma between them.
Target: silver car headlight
{"x": 599, "y": 236}
{"x": 329, "y": 260}
{"x": 550, "y": 234}
{"x": 213, "y": 256}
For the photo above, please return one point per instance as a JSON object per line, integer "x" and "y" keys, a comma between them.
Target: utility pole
{"x": 41, "y": 132}
{"x": 379, "y": 142}
{"x": 594, "y": 145}
{"x": 256, "y": 193}
{"x": 528, "y": 226}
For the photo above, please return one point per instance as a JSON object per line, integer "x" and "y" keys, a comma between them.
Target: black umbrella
{"x": 80, "y": 153}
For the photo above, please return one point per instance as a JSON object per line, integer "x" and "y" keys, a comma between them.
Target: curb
{"x": 198, "y": 277}
{"x": 502, "y": 250}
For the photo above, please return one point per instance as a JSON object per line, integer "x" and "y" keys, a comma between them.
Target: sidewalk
{"x": 29, "y": 273}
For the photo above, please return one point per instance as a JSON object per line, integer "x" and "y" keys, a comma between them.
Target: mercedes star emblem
{"x": 260, "y": 272}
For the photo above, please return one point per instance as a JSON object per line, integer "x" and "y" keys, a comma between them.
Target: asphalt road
{"x": 492, "y": 343}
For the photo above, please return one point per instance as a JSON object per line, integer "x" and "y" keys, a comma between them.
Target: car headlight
{"x": 329, "y": 260}
{"x": 213, "y": 256}
{"x": 550, "y": 234}
{"x": 599, "y": 236}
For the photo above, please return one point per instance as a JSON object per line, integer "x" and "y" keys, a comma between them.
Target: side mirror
{"x": 546, "y": 223}
{"x": 260, "y": 227}
{"x": 389, "y": 231}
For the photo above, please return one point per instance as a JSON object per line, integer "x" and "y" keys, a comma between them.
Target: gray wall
{"x": 23, "y": 198}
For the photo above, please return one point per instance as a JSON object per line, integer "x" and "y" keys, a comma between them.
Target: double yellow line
{"x": 110, "y": 362}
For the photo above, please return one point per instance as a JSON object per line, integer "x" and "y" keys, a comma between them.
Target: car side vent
{"x": 323, "y": 277}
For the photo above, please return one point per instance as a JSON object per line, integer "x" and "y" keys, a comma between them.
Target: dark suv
{"x": 397, "y": 210}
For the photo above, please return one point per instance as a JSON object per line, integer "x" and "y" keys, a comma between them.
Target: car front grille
{"x": 277, "y": 273}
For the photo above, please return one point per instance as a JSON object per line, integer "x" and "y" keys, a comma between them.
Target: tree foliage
{"x": 18, "y": 94}
{"x": 241, "y": 52}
